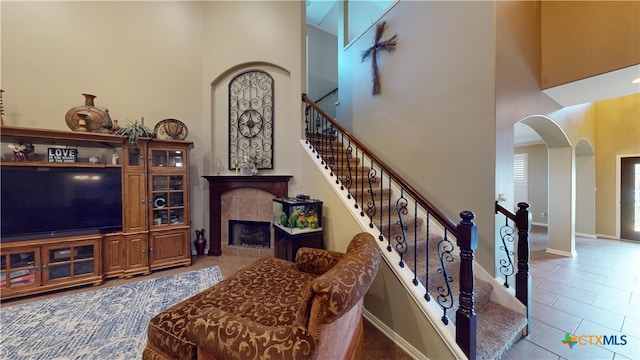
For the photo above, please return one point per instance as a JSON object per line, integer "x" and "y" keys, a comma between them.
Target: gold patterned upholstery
{"x": 274, "y": 309}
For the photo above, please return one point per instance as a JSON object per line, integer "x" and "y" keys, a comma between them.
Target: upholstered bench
{"x": 310, "y": 309}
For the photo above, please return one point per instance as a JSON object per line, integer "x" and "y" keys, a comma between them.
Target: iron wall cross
{"x": 387, "y": 45}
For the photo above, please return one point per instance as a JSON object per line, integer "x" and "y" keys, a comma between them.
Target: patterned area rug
{"x": 109, "y": 323}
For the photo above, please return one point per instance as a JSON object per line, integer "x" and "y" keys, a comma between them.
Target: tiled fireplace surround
{"x": 250, "y": 205}
{"x": 247, "y": 198}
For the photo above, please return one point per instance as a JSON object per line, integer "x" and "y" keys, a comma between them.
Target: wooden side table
{"x": 287, "y": 244}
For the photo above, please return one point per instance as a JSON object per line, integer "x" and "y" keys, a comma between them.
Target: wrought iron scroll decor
{"x": 251, "y": 119}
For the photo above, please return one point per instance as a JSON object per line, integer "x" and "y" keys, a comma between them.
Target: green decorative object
{"x": 293, "y": 220}
{"x": 135, "y": 130}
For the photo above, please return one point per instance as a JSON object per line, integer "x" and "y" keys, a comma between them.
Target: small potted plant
{"x": 135, "y": 130}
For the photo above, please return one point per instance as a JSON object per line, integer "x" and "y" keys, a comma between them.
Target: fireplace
{"x": 256, "y": 234}
{"x": 222, "y": 185}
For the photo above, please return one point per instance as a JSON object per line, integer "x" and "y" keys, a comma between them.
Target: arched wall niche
{"x": 219, "y": 112}
{"x": 584, "y": 148}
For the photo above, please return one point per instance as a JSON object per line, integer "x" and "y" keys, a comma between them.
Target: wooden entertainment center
{"x": 155, "y": 213}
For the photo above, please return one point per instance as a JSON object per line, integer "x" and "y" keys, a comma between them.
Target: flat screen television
{"x": 51, "y": 202}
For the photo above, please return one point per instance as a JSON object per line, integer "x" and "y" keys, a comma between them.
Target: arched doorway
{"x": 561, "y": 185}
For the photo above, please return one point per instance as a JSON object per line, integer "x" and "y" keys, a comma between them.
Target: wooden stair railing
{"x": 522, "y": 221}
{"x": 406, "y": 220}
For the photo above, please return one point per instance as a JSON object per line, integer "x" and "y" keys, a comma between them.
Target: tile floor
{"x": 595, "y": 293}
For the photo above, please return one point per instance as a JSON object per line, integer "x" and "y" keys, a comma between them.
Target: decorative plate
{"x": 171, "y": 129}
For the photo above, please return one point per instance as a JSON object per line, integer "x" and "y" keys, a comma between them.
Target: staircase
{"x": 417, "y": 233}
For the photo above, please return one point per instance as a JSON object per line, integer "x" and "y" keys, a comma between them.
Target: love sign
{"x": 63, "y": 155}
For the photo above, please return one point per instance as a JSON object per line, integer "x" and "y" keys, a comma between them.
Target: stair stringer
{"x": 429, "y": 308}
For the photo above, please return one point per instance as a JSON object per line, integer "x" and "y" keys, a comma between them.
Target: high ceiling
{"x": 318, "y": 15}
{"x": 323, "y": 14}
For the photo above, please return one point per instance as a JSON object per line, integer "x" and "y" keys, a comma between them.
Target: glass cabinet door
{"x": 83, "y": 260}
{"x": 167, "y": 199}
{"x": 19, "y": 268}
{"x": 167, "y": 158}
{"x": 70, "y": 261}
{"x": 59, "y": 263}
{"x": 134, "y": 156}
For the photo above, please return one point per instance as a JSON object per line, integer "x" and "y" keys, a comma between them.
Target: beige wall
{"x": 141, "y": 59}
{"x": 443, "y": 48}
{"x": 322, "y": 67}
{"x": 617, "y": 133}
{"x": 518, "y": 92}
{"x": 604, "y": 32}
{"x": 154, "y": 60}
{"x": 275, "y": 43}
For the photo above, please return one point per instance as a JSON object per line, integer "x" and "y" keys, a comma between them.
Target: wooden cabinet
{"x": 134, "y": 187}
{"x": 169, "y": 248}
{"x": 287, "y": 244}
{"x": 19, "y": 270}
{"x": 155, "y": 213}
{"x": 72, "y": 261}
{"x": 168, "y": 204}
{"x": 136, "y": 254}
{"x": 41, "y": 265}
{"x": 125, "y": 255}
{"x": 155, "y": 208}
{"x": 113, "y": 255}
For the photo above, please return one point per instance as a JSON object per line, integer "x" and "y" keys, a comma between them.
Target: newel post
{"x": 523, "y": 279}
{"x": 467, "y": 234}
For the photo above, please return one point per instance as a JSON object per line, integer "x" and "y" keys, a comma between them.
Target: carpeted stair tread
{"x": 499, "y": 328}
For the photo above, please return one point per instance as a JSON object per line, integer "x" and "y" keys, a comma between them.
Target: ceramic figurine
{"x": 20, "y": 151}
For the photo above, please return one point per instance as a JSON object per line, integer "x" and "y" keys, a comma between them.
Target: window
{"x": 520, "y": 176}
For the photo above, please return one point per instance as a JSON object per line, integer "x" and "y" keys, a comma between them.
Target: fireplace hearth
{"x": 255, "y": 234}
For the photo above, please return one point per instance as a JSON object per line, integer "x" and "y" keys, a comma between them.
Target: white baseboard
{"x": 539, "y": 224}
{"x": 397, "y": 339}
{"x": 606, "y": 236}
{"x": 561, "y": 253}
{"x": 591, "y": 236}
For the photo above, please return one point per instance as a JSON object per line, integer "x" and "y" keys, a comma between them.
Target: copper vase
{"x": 88, "y": 117}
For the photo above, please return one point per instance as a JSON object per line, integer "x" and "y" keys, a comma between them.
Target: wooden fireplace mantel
{"x": 278, "y": 185}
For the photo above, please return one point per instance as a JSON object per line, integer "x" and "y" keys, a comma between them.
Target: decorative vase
{"x": 88, "y": 117}
{"x": 200, "y": 242}
{"x": 245, "y": 167}
{"x": 114, "y": 157}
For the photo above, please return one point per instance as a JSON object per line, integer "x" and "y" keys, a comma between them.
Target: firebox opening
{"x": 256, "y": 234}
